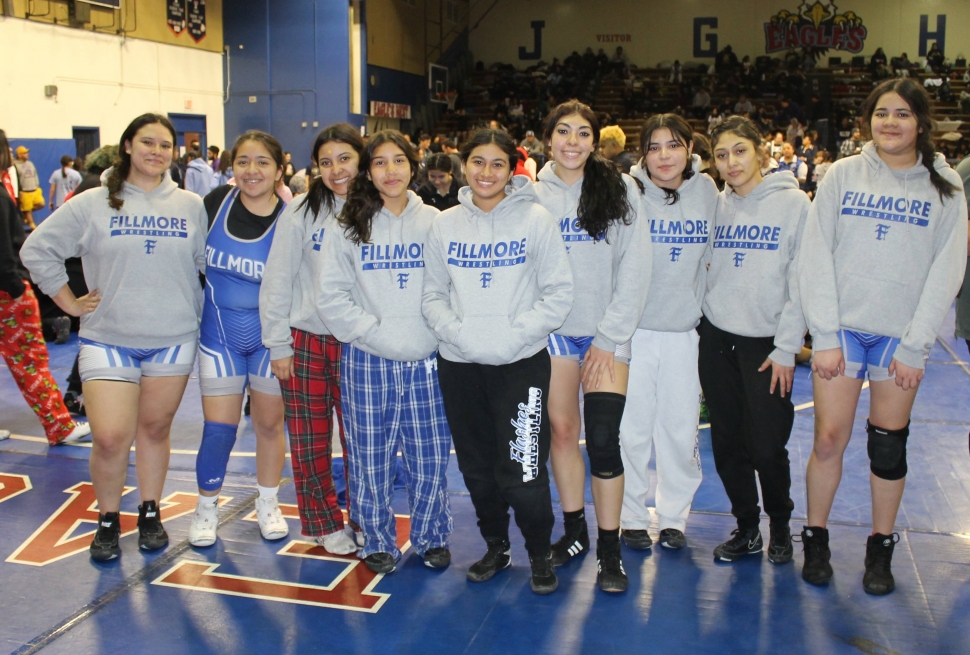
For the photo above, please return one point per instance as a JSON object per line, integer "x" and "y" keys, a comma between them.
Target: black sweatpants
{"x": 750, "y": 428}
{"x": 501, "y": 433}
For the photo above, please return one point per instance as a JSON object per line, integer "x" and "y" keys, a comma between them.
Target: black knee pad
{"x": 602, "y": 413}
{"x": 887, "y": 452}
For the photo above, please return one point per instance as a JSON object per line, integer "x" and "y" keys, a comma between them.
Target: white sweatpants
{"x": 662, "y": 405}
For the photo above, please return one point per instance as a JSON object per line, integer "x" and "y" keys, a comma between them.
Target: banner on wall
{"x": 176, "y": 16}
{"x": 196, "y": 19}
{"x": 390, "y": 110}
{"x": 114, "y": 4}
{"x": 818, "y": 26}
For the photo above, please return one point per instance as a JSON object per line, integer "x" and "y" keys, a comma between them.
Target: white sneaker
{"x": 202, "y": 530}
{"x": 339, "y": 543}
{"x": 4, "y": 434}
{"x": 357, "y": 536}
{"x": 81, "y": 432}
{"x": 272, "y": 525}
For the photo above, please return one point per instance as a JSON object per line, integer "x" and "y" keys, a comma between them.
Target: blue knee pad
{"x": 210, "y": 464}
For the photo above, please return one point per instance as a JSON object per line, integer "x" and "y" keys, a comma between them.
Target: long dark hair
{"x": 743, "y": 127}
{"x": 603, "y": 198}
{"x": 122, "y": 165}
{"x": 318, "y": 196}
{"x": 65, "y": 160}
{"x": 363, "y": 199}
{"x": 440, "y": 162}
{"x": 681, "y": 130}
{"x": 5, "y": 161}
{"x": 919, "y": 102}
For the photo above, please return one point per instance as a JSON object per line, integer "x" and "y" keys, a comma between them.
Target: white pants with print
{"x": 663, "y": 400}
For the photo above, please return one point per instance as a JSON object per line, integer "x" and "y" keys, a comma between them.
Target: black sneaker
{"x": 544, "y": 580}
{"x": 104, "y": 546}
{"x": 610, "y": 574}
{"x": 74, "y": 402}
{"x": 744, "y": 542}
{"x": 816, "y": 569}
{"x": 151, "y": 534}
{"x": 497, "y": 558}
{"x": 672, "y": 538}
{"x": 637, "y": 539}
{"x": 437, "y": 558}
{"x": 570, "y": 546}
{"x": 380, "y": 562}
{"x": 62, "y": 330}
{"x": 878, "y": 579}
{"x": 780, "y": 549}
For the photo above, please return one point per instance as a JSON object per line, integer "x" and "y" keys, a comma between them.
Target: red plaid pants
{"x": 22, "y": 346}
{"x": 309, "y": 399}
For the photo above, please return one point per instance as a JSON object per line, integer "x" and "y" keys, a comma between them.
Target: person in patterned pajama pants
{"x": 23, "y": 348}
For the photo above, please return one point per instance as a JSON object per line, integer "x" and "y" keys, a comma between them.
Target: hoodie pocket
{"x": 865, "y": 300}
{"x": 487, "y": 340}
{"x": 402, "y": 338}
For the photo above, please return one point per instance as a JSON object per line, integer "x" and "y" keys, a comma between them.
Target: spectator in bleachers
{"x": 795, "y": 132}
{"x": 715, "y": 119}
{"x": 743, "y": 105}
{"x": 823, "y": 160}
{"x": 198, "y": 175}
{"x": 878, "y": 58}
{"x": 881, "y": 72}
{"x": 852, "y": 145}
{"x": 441, "y": 189}
{"x": 901, "y": 65}
{"x": 532, "y": 145}
{"x": 775, "y": 146}
{"x": 935, "y": 58}
{"x": 620, "y": 61}
{"x": 613, "y": 147}
{"x": 450, "y": 148}
{"x": 701, "y": 102}
{"x": 806, "y": 149}
{"x": 791, "y": 162}
{"x": 965, "y": 99}
{"x": 676, "y": 72}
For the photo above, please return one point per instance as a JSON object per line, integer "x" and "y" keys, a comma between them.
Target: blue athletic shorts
{"x": 577, "y": 347}
{"x": 867, "y": 353}
{"x": 102, "y": 361}
{"x": 231, "y": 355}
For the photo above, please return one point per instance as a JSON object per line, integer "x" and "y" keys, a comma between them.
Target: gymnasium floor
{"x": 245, "y": 595}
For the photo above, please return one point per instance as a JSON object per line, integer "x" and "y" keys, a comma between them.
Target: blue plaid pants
{"x": 390, "y": 406}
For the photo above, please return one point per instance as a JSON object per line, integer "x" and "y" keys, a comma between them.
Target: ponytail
{"x": 319, "y": 196}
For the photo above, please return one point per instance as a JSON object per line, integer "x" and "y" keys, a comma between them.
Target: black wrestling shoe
{"x": 744, "y": 542}
{"x": 62, "y": 330}
{"x": 380, "y": 562}
{"x": 570, "y": 546}
{"x": 437, "y": 558}
{"x": 878, "y": 579}
{"x": 610, "y": 574}
{"x": 544, "y": 580}
{"x": 816, "y": 569}
{"x": 637, "y": 539}
{"x": 672, "y": 538}
{"x": 104, "y": 547}
{"x": 780, "y": 549}
{"x": 151, "y": 533}
{"x": 497, "y": 557}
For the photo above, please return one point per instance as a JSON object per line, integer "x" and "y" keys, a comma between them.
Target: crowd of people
{"x": 374, "y": 295}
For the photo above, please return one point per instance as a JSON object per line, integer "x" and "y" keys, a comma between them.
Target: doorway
{"x": 189, "y": 128}
{"x": 86, "y": 140}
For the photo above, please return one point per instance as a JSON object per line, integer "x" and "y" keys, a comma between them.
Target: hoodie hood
{"x": 773, "y": 183}
{"x": 871, "y": 156}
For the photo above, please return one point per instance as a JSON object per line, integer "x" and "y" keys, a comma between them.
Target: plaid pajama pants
{"x": 22, "y": 346}
{"x": 309, "y": 398}
{"x": 390, "y": 405}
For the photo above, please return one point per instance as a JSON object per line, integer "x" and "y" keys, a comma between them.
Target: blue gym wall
{"x": 295, "y": 60}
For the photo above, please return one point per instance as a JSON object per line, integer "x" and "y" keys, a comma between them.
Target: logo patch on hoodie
{"x": 317, "y": 238}
{"x": 571, "y": 231}
{"x": 484, "y": 255}
{"x": 149, "y": 226}
{"x": 399, "y": 255}
{"x": 886, "y": 208}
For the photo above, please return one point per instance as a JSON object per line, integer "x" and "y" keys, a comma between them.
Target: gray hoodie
{"x": 883, "y": 254}
{"x": 370, "y": 294}
{"x": 144, "y": 259}
{"x": 288, "y": 293}
{"x": 611, "y": 276}
{"x": 752, "y": 289}
{"x": 496, "y": 284}
{"x": 679, "y": 234}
